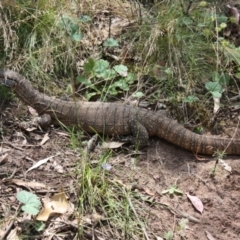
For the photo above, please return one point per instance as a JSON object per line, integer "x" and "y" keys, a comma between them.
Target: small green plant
{"x": 181, "y": 228}
{"x": 168, "y": 235}
{"x": 138, "y": 94}
{"x": 101, "y": 79}
{"x": 110, "y": 42}
{"x": 31, "y": 206}
{"x": 220, "y": 154}
{"x": 190, "y": 99}
{"x": 71, "y": 26}
{"x": 30, "y": 201}
{"x": 173, "y": 190}
{"x": 214, "y": 88}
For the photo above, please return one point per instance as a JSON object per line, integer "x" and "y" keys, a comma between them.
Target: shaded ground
{"x": 161, "y": 167}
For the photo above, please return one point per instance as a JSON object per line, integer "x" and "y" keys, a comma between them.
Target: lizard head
{"x": 9, "y": 78}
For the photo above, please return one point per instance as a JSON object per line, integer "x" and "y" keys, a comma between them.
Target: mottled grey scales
{"x": 115, "y": 119}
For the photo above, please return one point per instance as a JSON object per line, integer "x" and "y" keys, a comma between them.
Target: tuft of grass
{"x": 34, "y": 41}
{"x": 99, "y": 192}
{"x": 181, "y": 51}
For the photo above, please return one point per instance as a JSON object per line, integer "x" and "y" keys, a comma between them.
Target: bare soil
{"x": 161, "y": 166}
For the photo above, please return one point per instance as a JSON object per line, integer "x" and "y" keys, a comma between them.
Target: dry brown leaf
{"x": 3, "y": 158}
{"x": 225, "y": 165}
{"x": 62, "y": 134}
{"x": 112, "y": 145}
{"x": 95, "y": 218}
{"x": 32, "y": 111}
{"x": 149, "y": 192}
{"x": 196, "y": 202}
{"x": 30, "y": 129}
{"x": 39, "y": 163}
{"x": 45, "y": 139}
{"x": 57, "y": 205}
{"x": 13, "y": 235}
{"x": 209, "y": 236}
{"x": 5, "y": 222}
{"x": 4, "y": 150}
{"x": 28, "y": 184}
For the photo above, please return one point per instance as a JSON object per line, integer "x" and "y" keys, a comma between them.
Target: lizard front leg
{"x": 139, "y": 134}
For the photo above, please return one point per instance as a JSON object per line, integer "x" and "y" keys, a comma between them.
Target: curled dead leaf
{"x": 57, "y": 205}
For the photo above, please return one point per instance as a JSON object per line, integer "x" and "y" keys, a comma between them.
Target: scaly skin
{"x": 115, "y": 119}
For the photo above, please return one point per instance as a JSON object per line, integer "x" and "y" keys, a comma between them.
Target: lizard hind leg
{"x": 139, "y": 134}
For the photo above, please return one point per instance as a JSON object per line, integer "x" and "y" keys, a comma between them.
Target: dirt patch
{"x": 161, "y": 166}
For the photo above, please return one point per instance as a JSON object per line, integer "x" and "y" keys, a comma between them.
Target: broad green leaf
{"x": 215, "y": 76}
{"x": 224, "y": 79}
{"x": 108, "y": 74}
{"x": 89, "y": 95}
{"x": 83, "y": 80}
{"x": 87, "y": 83}
{"x": 187, "y": 20}
{"x": 190, "y": 99}
{"x": 30, "y": 209}
{"x": 110, "y": 42}
{"x": 221, "y": 19}
{"x": 121, "y": 70}
{"x": 100, "y": 66}
{"x": 216, "y": 94}
{"x": 213, "y": 87}
{"x": 68, "y": 23}
{"x": 111, "y": 90}
{"x": 76, "y": 36}
{"x": 63, "y": 21}
{"x": 122, "y": 85}
{"x": 89, "y": 65}
{"x": 39, "y": 226}
{"x": 138, "y": 94}
{"x": 71, "y": 26}
{"x": 84, "y": 18}
{"x": 31, "y": 201}
{"x": 130, "y": 78}
{"x": 237, "y": 74}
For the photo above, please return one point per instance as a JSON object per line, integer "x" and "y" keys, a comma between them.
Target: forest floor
{"x": 159, "y": 167}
